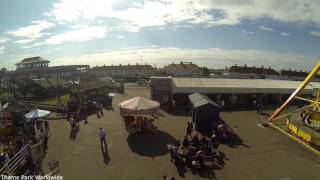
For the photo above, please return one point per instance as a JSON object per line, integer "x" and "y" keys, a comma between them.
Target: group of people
{"x": 197, "y": 150}
{"x": 15, "y": 144}
{"x": 138, "y": 123}
{"x": 43, "y": 131}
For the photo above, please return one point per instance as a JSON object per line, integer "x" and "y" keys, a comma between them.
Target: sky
{"x": 214, "y": 33}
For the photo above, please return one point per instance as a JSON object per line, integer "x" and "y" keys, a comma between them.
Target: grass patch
{"x": 54, "y": 101}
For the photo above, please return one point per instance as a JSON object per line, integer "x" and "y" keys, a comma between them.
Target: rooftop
{"x": 295, "y": 73}
{"x": 199, "y": 100}
{"x": 245, "y": 86}
{"x": 253, "y": 70}
{"x": 124, "y": 67}
{"x": 32, "y": 60}
{"x": 183, "y": 66}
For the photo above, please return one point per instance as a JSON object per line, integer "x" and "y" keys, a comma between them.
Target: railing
{"x": 50, "y": 107}
{"x": 19, "y": 159}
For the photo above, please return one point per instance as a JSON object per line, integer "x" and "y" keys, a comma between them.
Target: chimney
{"x": 226, "y": 68}
{"x": 300, "y": 70}
{"x": 120, "y": 64}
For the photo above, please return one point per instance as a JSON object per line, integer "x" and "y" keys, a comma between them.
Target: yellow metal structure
{"x": 307, "y": 127}
{"x": 306, "y": 81}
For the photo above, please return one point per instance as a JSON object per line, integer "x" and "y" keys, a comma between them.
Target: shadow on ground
{"x": 235, "y": 142}
{"x": 151, "y": 143}
{"x": 105, "y": 156}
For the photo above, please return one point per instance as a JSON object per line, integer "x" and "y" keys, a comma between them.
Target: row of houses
{"x": 37, "y": 66}
{"x": 245, "y": 72}
{"x": 123, "y": 71}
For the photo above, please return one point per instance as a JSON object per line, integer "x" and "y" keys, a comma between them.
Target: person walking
{"x": 97, "y": 111}
{"x": 222, "y": 104}
{"x": 259, "y": 108}
{"x": 102, "y": 136}
{"x": 46, "y": 127}
{"x": 101, "y": 110}
{"x": 189, "y": 129}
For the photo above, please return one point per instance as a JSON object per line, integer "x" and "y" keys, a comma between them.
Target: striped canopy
{"x": 139, "y": 105}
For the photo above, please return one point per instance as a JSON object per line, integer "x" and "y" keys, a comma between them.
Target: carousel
{"x": 139, "y": 114}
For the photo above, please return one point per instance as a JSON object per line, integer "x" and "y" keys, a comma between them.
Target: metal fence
{"x": 18, "y": 161}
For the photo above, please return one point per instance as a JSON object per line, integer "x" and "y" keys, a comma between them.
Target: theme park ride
{"x": 302, "y": 124}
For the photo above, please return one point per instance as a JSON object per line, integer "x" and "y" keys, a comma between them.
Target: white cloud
{"x": 32, "y": 31}
{"x": 120, "y": 37}
{"x": 146, "y": 13}
{"x": 315, "y": 33}
{"x": 285, "y": 34}
{"x": 212, "y": 57}
{"x": 24, "y": 41}
{"x": 2, "y": 48}
{"x": 82, "y": 34}
{"x": 3, "y": 40}
{"x": 265, "y": 28}
{"x": 245, "y": 33}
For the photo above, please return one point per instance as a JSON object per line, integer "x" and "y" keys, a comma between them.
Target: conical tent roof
{"x": 139, "y": 105}
{"x": 37, "y": 113}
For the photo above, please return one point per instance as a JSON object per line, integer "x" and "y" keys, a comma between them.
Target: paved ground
{"x": 264, "y": 155}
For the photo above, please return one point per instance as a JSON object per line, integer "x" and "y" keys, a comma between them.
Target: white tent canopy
{"x": 36, "y": 113}
{"x": 139, "y": 105}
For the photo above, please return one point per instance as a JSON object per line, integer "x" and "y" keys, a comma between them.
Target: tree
{"x": 205, "y": 71}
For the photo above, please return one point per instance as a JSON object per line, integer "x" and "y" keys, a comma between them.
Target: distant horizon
{"x": 162, "y": 64}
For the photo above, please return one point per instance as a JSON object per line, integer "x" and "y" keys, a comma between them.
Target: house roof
{"x": 199, "y": 100}
{"x": 182, "y": 67}
{"x": 50, "y": 82}
{"x": 253, "y": 70}
{"x": 289, "y": 72}
{"x": 32, "y": 60}
{"x": 124, "y": 67}
{"x": 44, "y": 83}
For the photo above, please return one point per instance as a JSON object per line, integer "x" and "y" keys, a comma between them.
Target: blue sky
{"x": 214, "y": 33}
